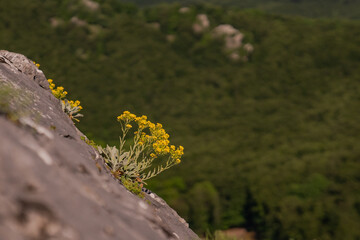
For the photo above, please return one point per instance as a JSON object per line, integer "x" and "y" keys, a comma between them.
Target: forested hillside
{"x": 308, "y": 8}
{"x": 271, "y": 141}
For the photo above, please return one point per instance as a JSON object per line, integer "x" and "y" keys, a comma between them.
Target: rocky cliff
{"x": 55, "y": 186}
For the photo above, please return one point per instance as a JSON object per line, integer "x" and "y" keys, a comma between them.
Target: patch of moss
{"x": 88, "y": 141}
{"x": 132, "y": 186}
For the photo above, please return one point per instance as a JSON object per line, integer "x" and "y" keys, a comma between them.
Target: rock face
{"x": 233, "y": 37}
{"x": 91, "y": 5}
{"x": 55, "y": 186}
{"x": 201, "y": 24}
{"x": 233, "y": 41}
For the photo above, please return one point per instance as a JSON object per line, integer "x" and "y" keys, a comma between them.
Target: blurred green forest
{"x": 309, "y": 8}
{"x": 271, "y": 144}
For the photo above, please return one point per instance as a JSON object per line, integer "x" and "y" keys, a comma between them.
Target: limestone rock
{"x": 233, "y": 42}
{"x": 184, "y": 10}
{"x": 56, "y": 22}
{"x": 201, "y": 24}
{"x": 26, "y": 66}
{"x": 233, "y": 37}
{"x": 170, "y": 38}
{"x": 55, "y": 186}
{"x": 91, "y": 5}
{"x": 154, "y": 26}
{"x": 249, "y": 47}
{"x": 225, "y": 30}
{"x": 78, "y": 22}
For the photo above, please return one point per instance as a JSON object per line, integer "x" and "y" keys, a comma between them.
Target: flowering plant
{"x": 58, "y": 92}
{"x": 150, "y": 141}
{"x": 71, "y": 108}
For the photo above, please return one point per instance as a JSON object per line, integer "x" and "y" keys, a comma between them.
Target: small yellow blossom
{"x": 128, "y": 126}
{"x": 36, "y": 64}
{"x": 60, "y": 94}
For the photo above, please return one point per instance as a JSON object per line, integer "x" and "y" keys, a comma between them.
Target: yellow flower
{"x": 128, "y": 126}
{"x": 178, "y": 161}
{"x": 36, "y": 64}
{"x": 153, "y": 155}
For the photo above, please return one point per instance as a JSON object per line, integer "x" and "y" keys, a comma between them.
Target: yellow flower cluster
{"x": 126, "y": 116}
{"x": 158, "y": 139}
{"x": 71, "y": 108}
{"x": 177, "y": 153}
{"x": 75, "y": 104}
{"x": 58, "y": 92}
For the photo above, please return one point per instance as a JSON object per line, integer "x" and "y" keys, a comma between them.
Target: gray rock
{"x": 201, "y": 24}
{"x": 55, "y": 186}
{"x": 26, "y": 66}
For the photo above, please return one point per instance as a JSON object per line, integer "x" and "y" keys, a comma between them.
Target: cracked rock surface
{"x": 55, "y": 186}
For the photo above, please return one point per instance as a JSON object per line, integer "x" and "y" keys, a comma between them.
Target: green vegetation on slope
{"x": 309, "y": 8}
{"x": 271, "y": 144}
